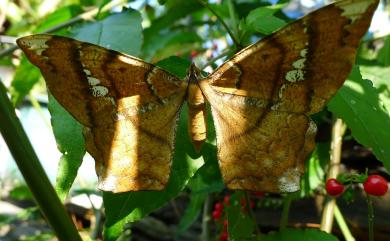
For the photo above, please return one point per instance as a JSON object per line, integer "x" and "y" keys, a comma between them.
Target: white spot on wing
{"x": 289, "y": 181}
{"x": 295, "y": 75}
{"x": 303, "y": 53}
{"x": 93, "y": 81}
{"x": 37, "y": 45}
{"x": 299, "y": 64}
{"x": 354, "y": 10}
{"x": 87, "y": 72}
{"x": 99, "y": 91}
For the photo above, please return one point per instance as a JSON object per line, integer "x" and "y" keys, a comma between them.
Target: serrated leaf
{"x": 358, "y": 104}
{"x": 379, "y": 76}
{"x": 121, "y": 32}
{"x": 384, "y": 53}
{"x": 70, "y": 142}
{"x": 290, "y": 234}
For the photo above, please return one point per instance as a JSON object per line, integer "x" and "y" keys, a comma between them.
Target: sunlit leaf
{"x": 358, "y": 104}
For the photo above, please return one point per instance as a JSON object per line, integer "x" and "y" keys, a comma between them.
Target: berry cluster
{"x": 374, "y": 184}
{"x": 218, "y": 213}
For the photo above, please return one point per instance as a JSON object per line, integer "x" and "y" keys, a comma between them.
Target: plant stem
{"x": 370, "y": 208}
{"x": 233, "y": 18}
{"x": 211, "y": 61}
{"x": 234, "y": 39}
{"x": 334, "y": 169}
{"x": 250, "y": 210}
{"x": 84, "y": 16}
{"x": 205, "y": 236}
{"x": 32, "y": 171}
{"x": 342, "y": 224}
{"x": 285, "y": 212}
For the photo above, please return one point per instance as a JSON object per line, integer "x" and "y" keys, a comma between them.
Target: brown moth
{"x": 261, "y": 99}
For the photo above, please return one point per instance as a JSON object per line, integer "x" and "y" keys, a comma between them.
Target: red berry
{"x": 375, "y": 185}
{"x": 216, "y": 215}
{"x": 218, "y": 206}
{"x": 224, "y": 236}
{"x": 334, "y": 187}
{"x": 225, "y": 224}
{"x": 226, "y": 200}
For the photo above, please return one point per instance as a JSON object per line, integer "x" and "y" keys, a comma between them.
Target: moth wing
{"x": 261, "y": 98}
{"x": 129, "y": 108}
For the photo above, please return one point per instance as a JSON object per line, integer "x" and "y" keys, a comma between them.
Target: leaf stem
{"x": 32, "y": 171}
{"x": 211, "y": 61}
{"x": 234, "y": 39}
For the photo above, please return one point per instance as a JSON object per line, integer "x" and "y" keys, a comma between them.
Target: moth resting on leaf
{"x": 261, "y": 99}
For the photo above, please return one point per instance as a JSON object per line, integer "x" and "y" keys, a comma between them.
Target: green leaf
{"x": 315, "y": 169}
{"x": 384, "y": 53}
{"x": 262, "y": 19}
{"x": 70, "y": 142}
{"x": 175, "y": 65}
{"x": 290, "y": 234}
{"x": 26, "y": 76}
{"x": 358, "y": 104}
{"x": 121, "y": 32}
{"x": 160, "y": 27}
{"x": 379, "y": 77}
{"x": 132, "y": 206}
{"x": 59, "y": 16}
{"x": 194, "y": 207}
{"x": 241, "y": 225}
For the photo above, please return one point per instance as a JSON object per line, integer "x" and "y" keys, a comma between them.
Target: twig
{"x": 206, "y": 5}
{"x": 342, "y": 224}
{"x": 334, "y": 169}
{"x": 33, "y": 173}
{"x": 84, "y": 16}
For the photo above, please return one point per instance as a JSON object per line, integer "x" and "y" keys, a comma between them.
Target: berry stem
{"x": 286, "y": 211}
{"x": 370, "y": 208}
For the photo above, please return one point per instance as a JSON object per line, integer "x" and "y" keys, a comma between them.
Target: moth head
{"x": 193, "y": 74}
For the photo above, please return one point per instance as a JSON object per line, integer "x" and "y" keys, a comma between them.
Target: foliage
{"x": 171, "y": 35}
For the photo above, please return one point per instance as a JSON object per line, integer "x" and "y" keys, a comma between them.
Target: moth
{"x": 261, "y": 100}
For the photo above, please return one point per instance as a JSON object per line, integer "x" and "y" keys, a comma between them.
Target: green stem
{"x": 250, "y": 210}
{"x": 285, "y": 212}
{"x": 32, "y": 171}
{"x": 342, "y": 224}
{"x": 235, "y": 40}
{"x": 370, "y": 218}
{"x": 206, "y": 220}
{"x": 233, "y": 18}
